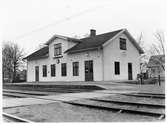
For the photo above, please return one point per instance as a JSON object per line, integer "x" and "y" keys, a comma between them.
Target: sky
{"x": 30, "y": 23}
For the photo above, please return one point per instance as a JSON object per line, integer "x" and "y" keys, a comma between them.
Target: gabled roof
{"x": 93, "y": 42}
{"x": 133, "y": 41}
{"x": 97, "y": 41}
{"x": 41, "y": 53}
{"x": 156, "y": 60}
{"x": 84, "y": 44}
{"x": 62, "y": 37}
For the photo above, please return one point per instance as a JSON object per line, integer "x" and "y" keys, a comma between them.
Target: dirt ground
{"x": 62, "y": 112}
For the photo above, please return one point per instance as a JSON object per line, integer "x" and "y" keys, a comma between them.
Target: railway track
{"x": 12, "y": 118}
{"x": 153, "y": 104}
{"x": 119, "y": 105}
{"x": 20, "y": 94}
{"x": 122, "y": 107}
{"x": 117, "y": 101}
{"x": 148, "y": 95}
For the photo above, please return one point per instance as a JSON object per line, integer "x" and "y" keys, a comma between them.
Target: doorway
{"x": 130, "y": 72}
{"x": 37, "y": 73}
{"x": 89, "y": 70}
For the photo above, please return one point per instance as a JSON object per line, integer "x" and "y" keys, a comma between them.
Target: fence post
{"x": 141, "y": 79}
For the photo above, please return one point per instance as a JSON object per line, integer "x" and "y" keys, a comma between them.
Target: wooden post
{"x": 141, "y": 79}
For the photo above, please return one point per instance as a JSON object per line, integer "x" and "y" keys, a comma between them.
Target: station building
{"x": 109, "y": 56}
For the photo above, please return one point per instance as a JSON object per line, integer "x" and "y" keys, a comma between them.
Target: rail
{"x": 12, "y": 118}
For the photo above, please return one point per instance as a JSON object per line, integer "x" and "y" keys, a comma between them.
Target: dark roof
{"x": 84, "y": 44}
{"x": 41, "y": 53}
{"x": 93, "y": 42}
{"x": 156, "y": 60}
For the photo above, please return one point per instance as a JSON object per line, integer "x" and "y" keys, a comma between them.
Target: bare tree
{"x": 12, "y": 58}
{"x": 158, "y": 48}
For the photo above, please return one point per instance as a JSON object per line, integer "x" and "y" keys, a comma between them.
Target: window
{"x": 117, "y": 68}
{"x": 44, "y": 71}
{"x": 122, "y": 44}
{"x": 53, "y": 70}
{"x": 75, "y": 68}
{"x": 63, "y": 69}
{"x": 57, "y": 49}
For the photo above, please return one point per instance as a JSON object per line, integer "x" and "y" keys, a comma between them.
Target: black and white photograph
{"x": 83, "y": 61}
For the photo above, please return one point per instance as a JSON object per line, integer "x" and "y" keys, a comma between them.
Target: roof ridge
{"x": 65, "y": 36}
{"x": 104, "y": 33}
{"x": 97, "y": 41}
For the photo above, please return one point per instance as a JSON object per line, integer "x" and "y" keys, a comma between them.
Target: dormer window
{"x": 57, "y": 49}
{"x": 122, "y": 43}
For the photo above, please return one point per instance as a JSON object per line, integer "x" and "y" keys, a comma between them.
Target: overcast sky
{"x": 32, "y": 22}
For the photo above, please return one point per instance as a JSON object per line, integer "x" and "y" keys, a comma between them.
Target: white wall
{"x": 110, "y": 53}
{"x": 113, "y": 53}
{"x": 84, "y": 56}
{"x": 80, "y": 57}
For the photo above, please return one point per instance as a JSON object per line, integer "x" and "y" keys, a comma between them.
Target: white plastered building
{"x": 110, "y": 56}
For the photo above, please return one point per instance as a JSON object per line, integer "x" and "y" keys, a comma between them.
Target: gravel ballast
{"x": 62, "y": 112}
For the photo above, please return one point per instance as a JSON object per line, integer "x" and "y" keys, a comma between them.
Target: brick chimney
{"x": 92, "y": 32}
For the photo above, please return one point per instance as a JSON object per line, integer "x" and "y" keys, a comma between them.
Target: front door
{"x": 89, "y": 70}
{"x": 36, "y": 73}
{"x": 130, "y": 73}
